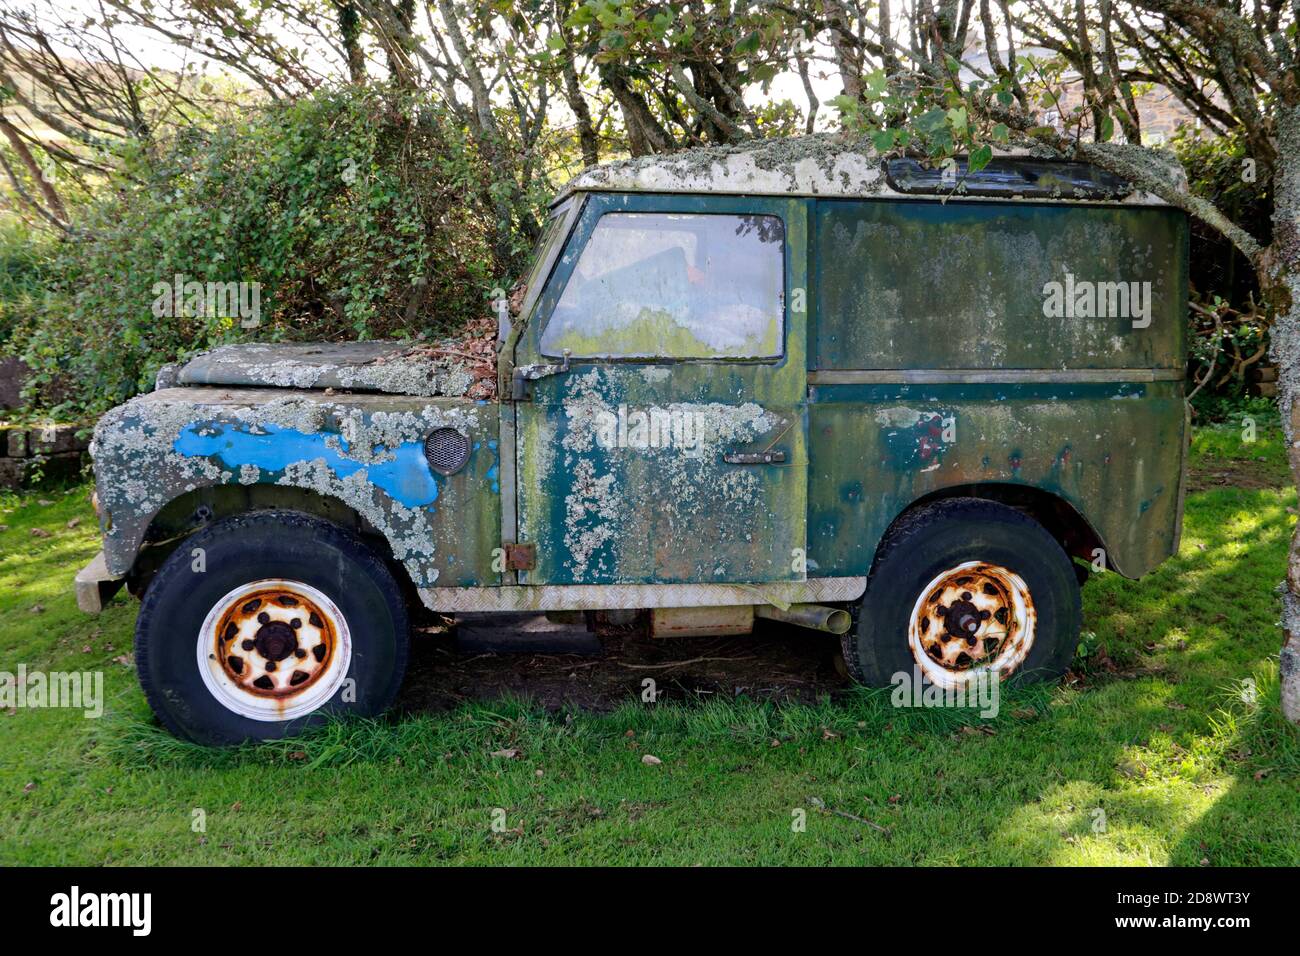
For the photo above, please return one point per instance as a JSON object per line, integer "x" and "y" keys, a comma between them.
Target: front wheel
{"x": 262, "y": 624}
{"x": 965, "y": 587}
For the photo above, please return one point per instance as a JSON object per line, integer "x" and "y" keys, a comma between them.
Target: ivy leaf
{"x": 884, "y": 139}
{"x": 931, "y": 120}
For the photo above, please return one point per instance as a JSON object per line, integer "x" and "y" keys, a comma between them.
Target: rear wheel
{"x": 963, "y": 587}
{"x": 262, "y": 624}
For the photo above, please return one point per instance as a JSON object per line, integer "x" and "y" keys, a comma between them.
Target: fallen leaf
{"x": 29, "y": 788}
{"x": 650, "y": 760}
{"x": 40, "y": 533}
{"x": 298, "y": 755}
{"x": 237, "y": 805}
{"x": 74, "y": 522}
{"x": 44, "y": 502}
{"x": 510, "y": 754}
{"x": 36, "y": 609}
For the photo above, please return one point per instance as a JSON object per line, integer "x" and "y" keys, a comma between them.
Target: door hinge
{"x": 520, "y": 557}
{"x": 524, "y": 374}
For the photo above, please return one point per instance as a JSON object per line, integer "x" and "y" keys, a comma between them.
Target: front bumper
{"x": 96, "y": 586}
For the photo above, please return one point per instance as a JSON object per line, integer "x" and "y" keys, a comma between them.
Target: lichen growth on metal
{"x": 598, "y": 508}
{"x": 139, "y": 468}
{"x": 821, "y": 164}
{"x": 396, "y": 368}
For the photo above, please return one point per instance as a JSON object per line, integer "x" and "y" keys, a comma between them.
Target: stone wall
{"x": 30, "y": 453}
{"x": 12, "y": 374}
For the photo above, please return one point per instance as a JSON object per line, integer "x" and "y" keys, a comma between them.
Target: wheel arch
{"x": 1077, "y": 536}
{"x": 186, "y": 514}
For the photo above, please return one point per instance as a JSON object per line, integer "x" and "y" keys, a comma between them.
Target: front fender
{"x": 366, "y": 451}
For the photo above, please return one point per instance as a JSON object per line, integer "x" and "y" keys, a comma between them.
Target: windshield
{"x": 544, "y": 255}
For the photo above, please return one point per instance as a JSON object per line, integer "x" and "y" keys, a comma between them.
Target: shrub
{"x": 354, "y": 212}
{"x": 1222, "y": 279}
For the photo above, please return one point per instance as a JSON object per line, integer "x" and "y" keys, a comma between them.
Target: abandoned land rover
{"x": 791, "y": 381}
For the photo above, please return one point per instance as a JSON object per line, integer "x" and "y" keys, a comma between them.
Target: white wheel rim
{"x": 274, "y": 650}
{"x": 971, "y": 619}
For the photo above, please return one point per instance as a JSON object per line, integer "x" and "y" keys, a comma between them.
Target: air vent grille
{"x": 447, "y": 450}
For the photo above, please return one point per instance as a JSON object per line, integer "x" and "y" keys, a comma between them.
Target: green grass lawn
{"x": 1153, "y": 752}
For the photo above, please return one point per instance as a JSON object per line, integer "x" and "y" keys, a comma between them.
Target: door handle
{"x": 753, "y": 458}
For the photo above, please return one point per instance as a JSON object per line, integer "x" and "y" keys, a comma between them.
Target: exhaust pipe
{"x": 818, "y": 617}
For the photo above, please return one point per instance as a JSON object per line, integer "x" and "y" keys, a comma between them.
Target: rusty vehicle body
{"x": 739, "y": 380}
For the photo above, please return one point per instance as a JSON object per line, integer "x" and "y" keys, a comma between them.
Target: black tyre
{"x": 260, "y": 625}
{"x": 965, "y": 585}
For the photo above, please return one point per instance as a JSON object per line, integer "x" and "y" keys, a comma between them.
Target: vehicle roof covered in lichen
{"x": 823, "y": 164}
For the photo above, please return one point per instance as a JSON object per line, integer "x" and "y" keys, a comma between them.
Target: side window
{"x": 650, "y": 285}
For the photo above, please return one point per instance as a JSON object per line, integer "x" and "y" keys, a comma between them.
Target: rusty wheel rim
{"x": 274, "y": 650}
{"x": 976, "y": 617}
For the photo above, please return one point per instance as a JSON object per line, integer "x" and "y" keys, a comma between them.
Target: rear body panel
{"x": 974, "y": 344}
{"x": 1112, "y": 451}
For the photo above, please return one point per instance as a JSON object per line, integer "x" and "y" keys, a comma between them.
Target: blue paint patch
{"x": 406, "y": 478}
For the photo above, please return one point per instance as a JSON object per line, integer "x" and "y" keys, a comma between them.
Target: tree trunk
{"x": 645, "y": 133}
{"x": 1282, "y": 264}
{"x": 587, "y": 139}
{"x": 349, "y": 23}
